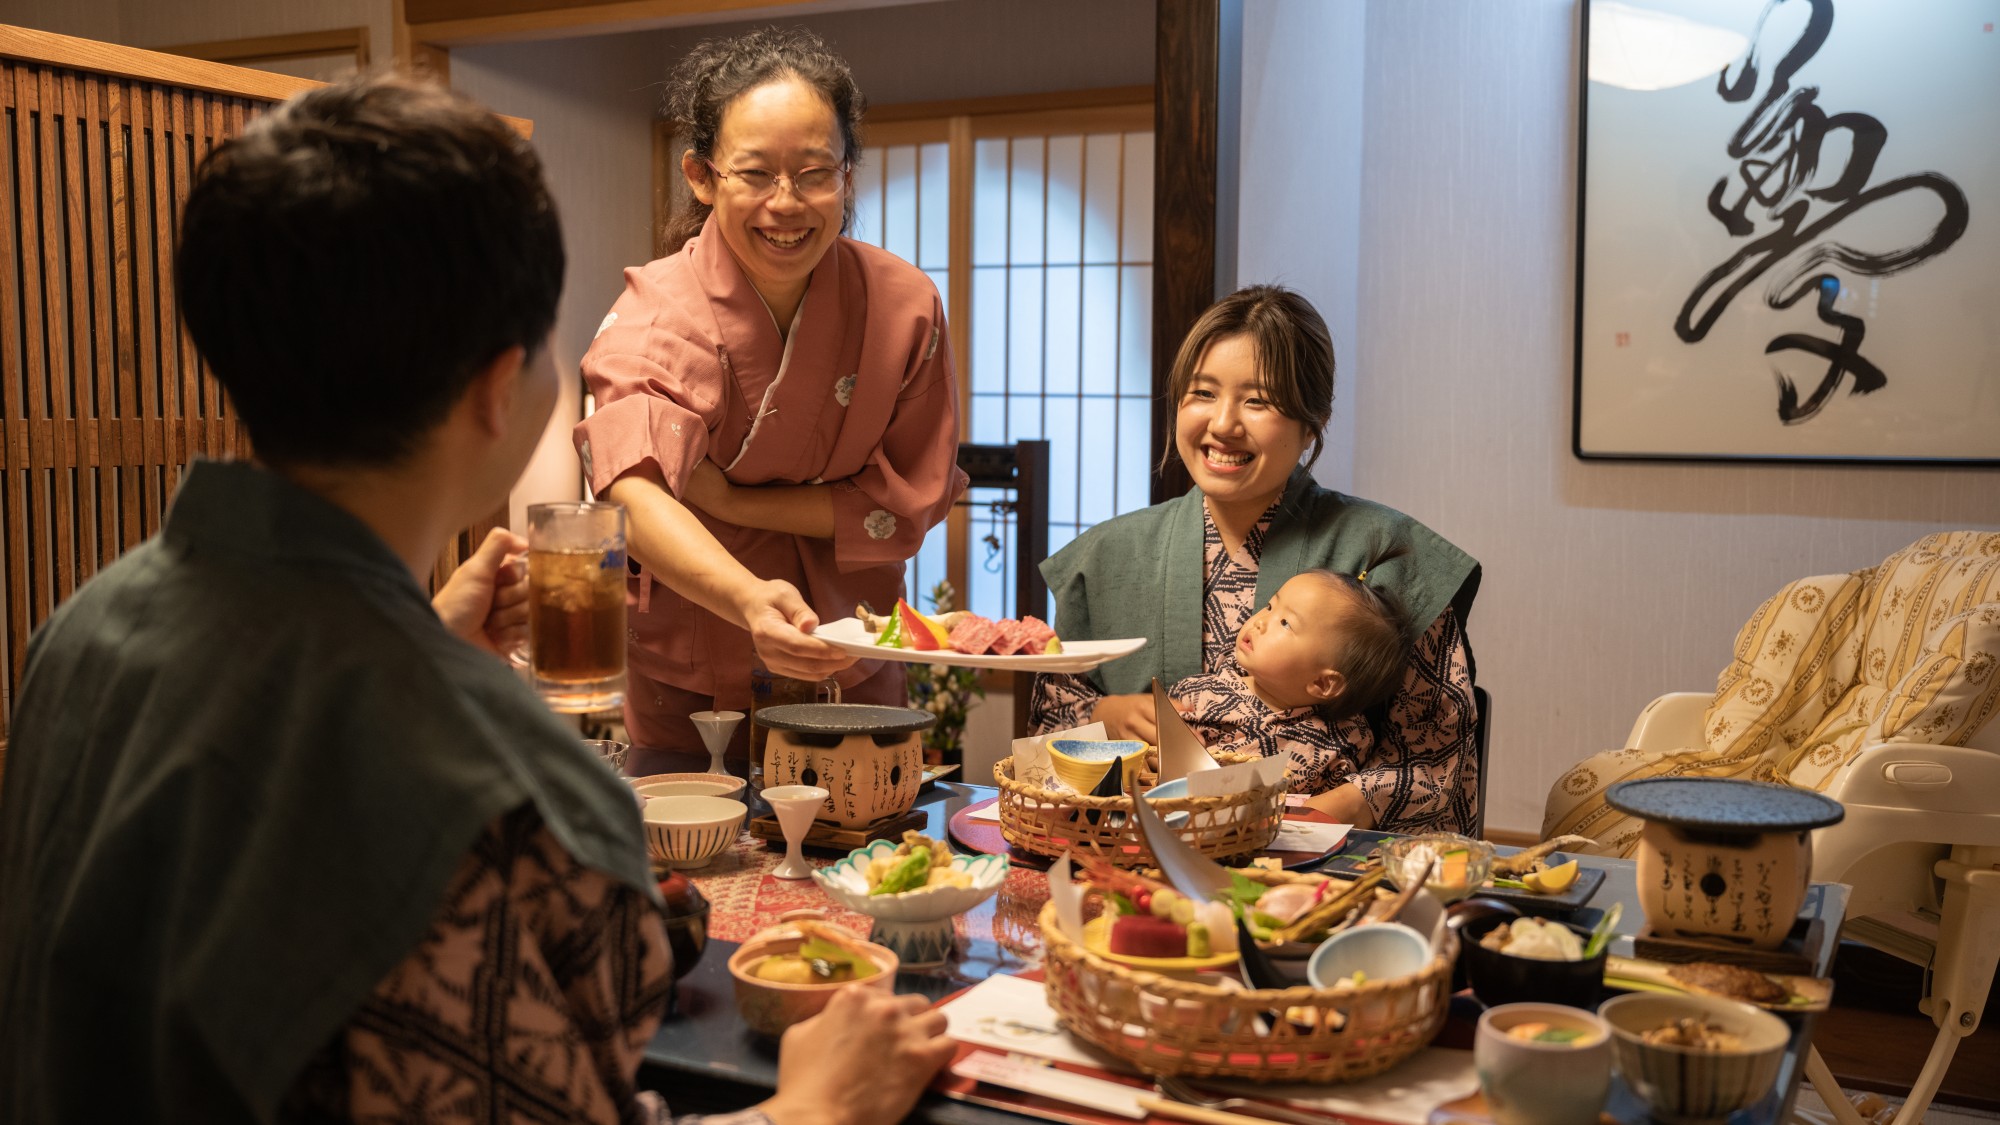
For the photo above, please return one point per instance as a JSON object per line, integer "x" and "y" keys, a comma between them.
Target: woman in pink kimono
{"x": 776, "y": 405}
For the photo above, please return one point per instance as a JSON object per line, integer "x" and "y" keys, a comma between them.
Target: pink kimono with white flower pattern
{"x": 690, "y": 365}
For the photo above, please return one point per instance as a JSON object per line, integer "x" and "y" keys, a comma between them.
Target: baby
{"x": 1328, "y": 646}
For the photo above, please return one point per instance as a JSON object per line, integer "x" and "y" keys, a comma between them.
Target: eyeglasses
{"x": 811, "y": 184}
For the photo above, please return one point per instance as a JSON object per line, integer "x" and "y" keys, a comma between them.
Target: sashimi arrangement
{"x": 959, "y": 631}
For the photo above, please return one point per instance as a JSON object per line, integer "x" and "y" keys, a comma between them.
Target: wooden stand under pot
{"x": 869, "y": 759}
{"x": 1723, "y": 860}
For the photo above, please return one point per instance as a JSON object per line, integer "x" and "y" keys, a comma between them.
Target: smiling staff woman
{"x": 1253, "y": 384}
{"x": 775, "y": 403}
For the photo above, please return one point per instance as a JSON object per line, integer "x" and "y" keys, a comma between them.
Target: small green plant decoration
{"x": 945, "y": 691}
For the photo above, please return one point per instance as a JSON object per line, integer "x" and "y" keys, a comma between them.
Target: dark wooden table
{"x": 704, "y": 1060}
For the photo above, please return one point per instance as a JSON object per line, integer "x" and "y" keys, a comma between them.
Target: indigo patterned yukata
{"x": 1417, "y": 772}
{"x": 276, "y": 845}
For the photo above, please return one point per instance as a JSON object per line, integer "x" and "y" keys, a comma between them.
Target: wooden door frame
{"x": 1197, "y": 63}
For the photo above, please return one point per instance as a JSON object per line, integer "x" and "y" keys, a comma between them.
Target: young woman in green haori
{"x": 1254, "y": 386}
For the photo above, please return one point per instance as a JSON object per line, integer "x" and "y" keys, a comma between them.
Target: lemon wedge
{"x": 1553, "y": 881}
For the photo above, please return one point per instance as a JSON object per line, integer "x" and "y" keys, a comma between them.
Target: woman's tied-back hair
{"x": 356, "y": 256}
{"x": 1294, "y": 354}
{"x": 1373, "y": 644}
{"x": 718, "y": 71}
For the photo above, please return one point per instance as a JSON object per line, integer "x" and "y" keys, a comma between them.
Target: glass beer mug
{"x": 576, "y": 616}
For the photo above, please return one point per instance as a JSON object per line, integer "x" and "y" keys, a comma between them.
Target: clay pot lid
{"x": 1724, "y": 804}
{"x": 844, "y": 718}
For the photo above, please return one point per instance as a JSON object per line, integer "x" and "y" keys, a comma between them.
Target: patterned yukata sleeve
{"x": 1061, "y": 701}
{"x": 882, "y": 513}
{"x": 532, "y": 996}
{"x": 1422, "y": 773}
{"x": 1320, "y": 760}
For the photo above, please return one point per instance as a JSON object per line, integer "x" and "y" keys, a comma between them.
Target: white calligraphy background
{"x": 1930, "y": 74}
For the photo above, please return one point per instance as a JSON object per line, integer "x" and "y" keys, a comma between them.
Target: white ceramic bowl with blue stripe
{"x": 688, "y": 831}
{"x": 916, "y": 924}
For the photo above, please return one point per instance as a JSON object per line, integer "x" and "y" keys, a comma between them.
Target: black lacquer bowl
{"x": 1502, "y": 978}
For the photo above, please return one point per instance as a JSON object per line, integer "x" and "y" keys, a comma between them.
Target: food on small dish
{"x": 1552, "y": 1033}
{"x": 1682, "y": 1082}
{"x": 1283, "y": 904}
{"x": 1142, "y": 935}
{"x": 1152, "y": 920}
{"x": 1450, "y": 866}
{"x": 1777, "y": 992}
{"x": 916, "y": 924}
{"x": 788, "y": 972}
{"x": 1551, "y": 881}
{"x": 1542, "y": 1064}
{"x": 1694, "y": 1033}
{"x": 1733, "y": 981}
{"x": 816, "y": 961}
{"x": 1525, "y": 960}
{"x": 1532, "y": 859}
{"x": 1536, "y": 938}
{"x": 961, "y": 632}
{"x": 919, "y": 863}
{"x": 1337, "y": 907}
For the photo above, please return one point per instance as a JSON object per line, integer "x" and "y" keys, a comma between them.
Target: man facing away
{"x": 280, "y": 837}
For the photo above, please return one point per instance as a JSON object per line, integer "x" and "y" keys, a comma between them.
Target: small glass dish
{"x": 1459, "y": 865}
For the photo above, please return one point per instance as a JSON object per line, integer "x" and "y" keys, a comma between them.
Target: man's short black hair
{"x": 355, "y": 256}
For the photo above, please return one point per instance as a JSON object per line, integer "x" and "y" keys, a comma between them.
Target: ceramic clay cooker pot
{"x": 1723, "y": 859}
{"x": 869, "y": 759}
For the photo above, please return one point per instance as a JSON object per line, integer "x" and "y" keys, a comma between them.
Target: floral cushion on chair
{"x": 1925, "y": 659}
{"x": 1792, "y": 662}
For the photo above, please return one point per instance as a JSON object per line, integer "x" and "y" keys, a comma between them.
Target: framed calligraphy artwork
{"x": 1788, "y": 232}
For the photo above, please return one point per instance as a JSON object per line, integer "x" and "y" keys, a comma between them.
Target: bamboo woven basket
{"x": 1167, "y": 1026}
{"x": 1049, "y": 823}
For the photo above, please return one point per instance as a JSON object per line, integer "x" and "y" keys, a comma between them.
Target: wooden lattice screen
{"x": 104, "y": 400}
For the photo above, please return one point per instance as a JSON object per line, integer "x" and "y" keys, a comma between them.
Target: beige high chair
{"x": 1922, "y": 833}
{"x": 1877, "y": 688}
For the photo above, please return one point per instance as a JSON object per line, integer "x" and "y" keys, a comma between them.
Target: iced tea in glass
{"x": 576, "y": 616}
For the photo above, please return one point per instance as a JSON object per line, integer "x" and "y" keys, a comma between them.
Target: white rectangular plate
{"x": 1077, "y": 656}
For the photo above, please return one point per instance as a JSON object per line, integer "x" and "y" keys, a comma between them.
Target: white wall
{"x": 1606, "y": 583}
{"x": 1303, "y": 62}
{"x": 593, "y": 112}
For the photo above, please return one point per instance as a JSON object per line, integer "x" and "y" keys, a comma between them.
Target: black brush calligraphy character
{"x": 1720, "y": 285}
{"x": 1769, "y": 126}
{"x": 1842, "y": 356}
{"x": 1779, "y": 149}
